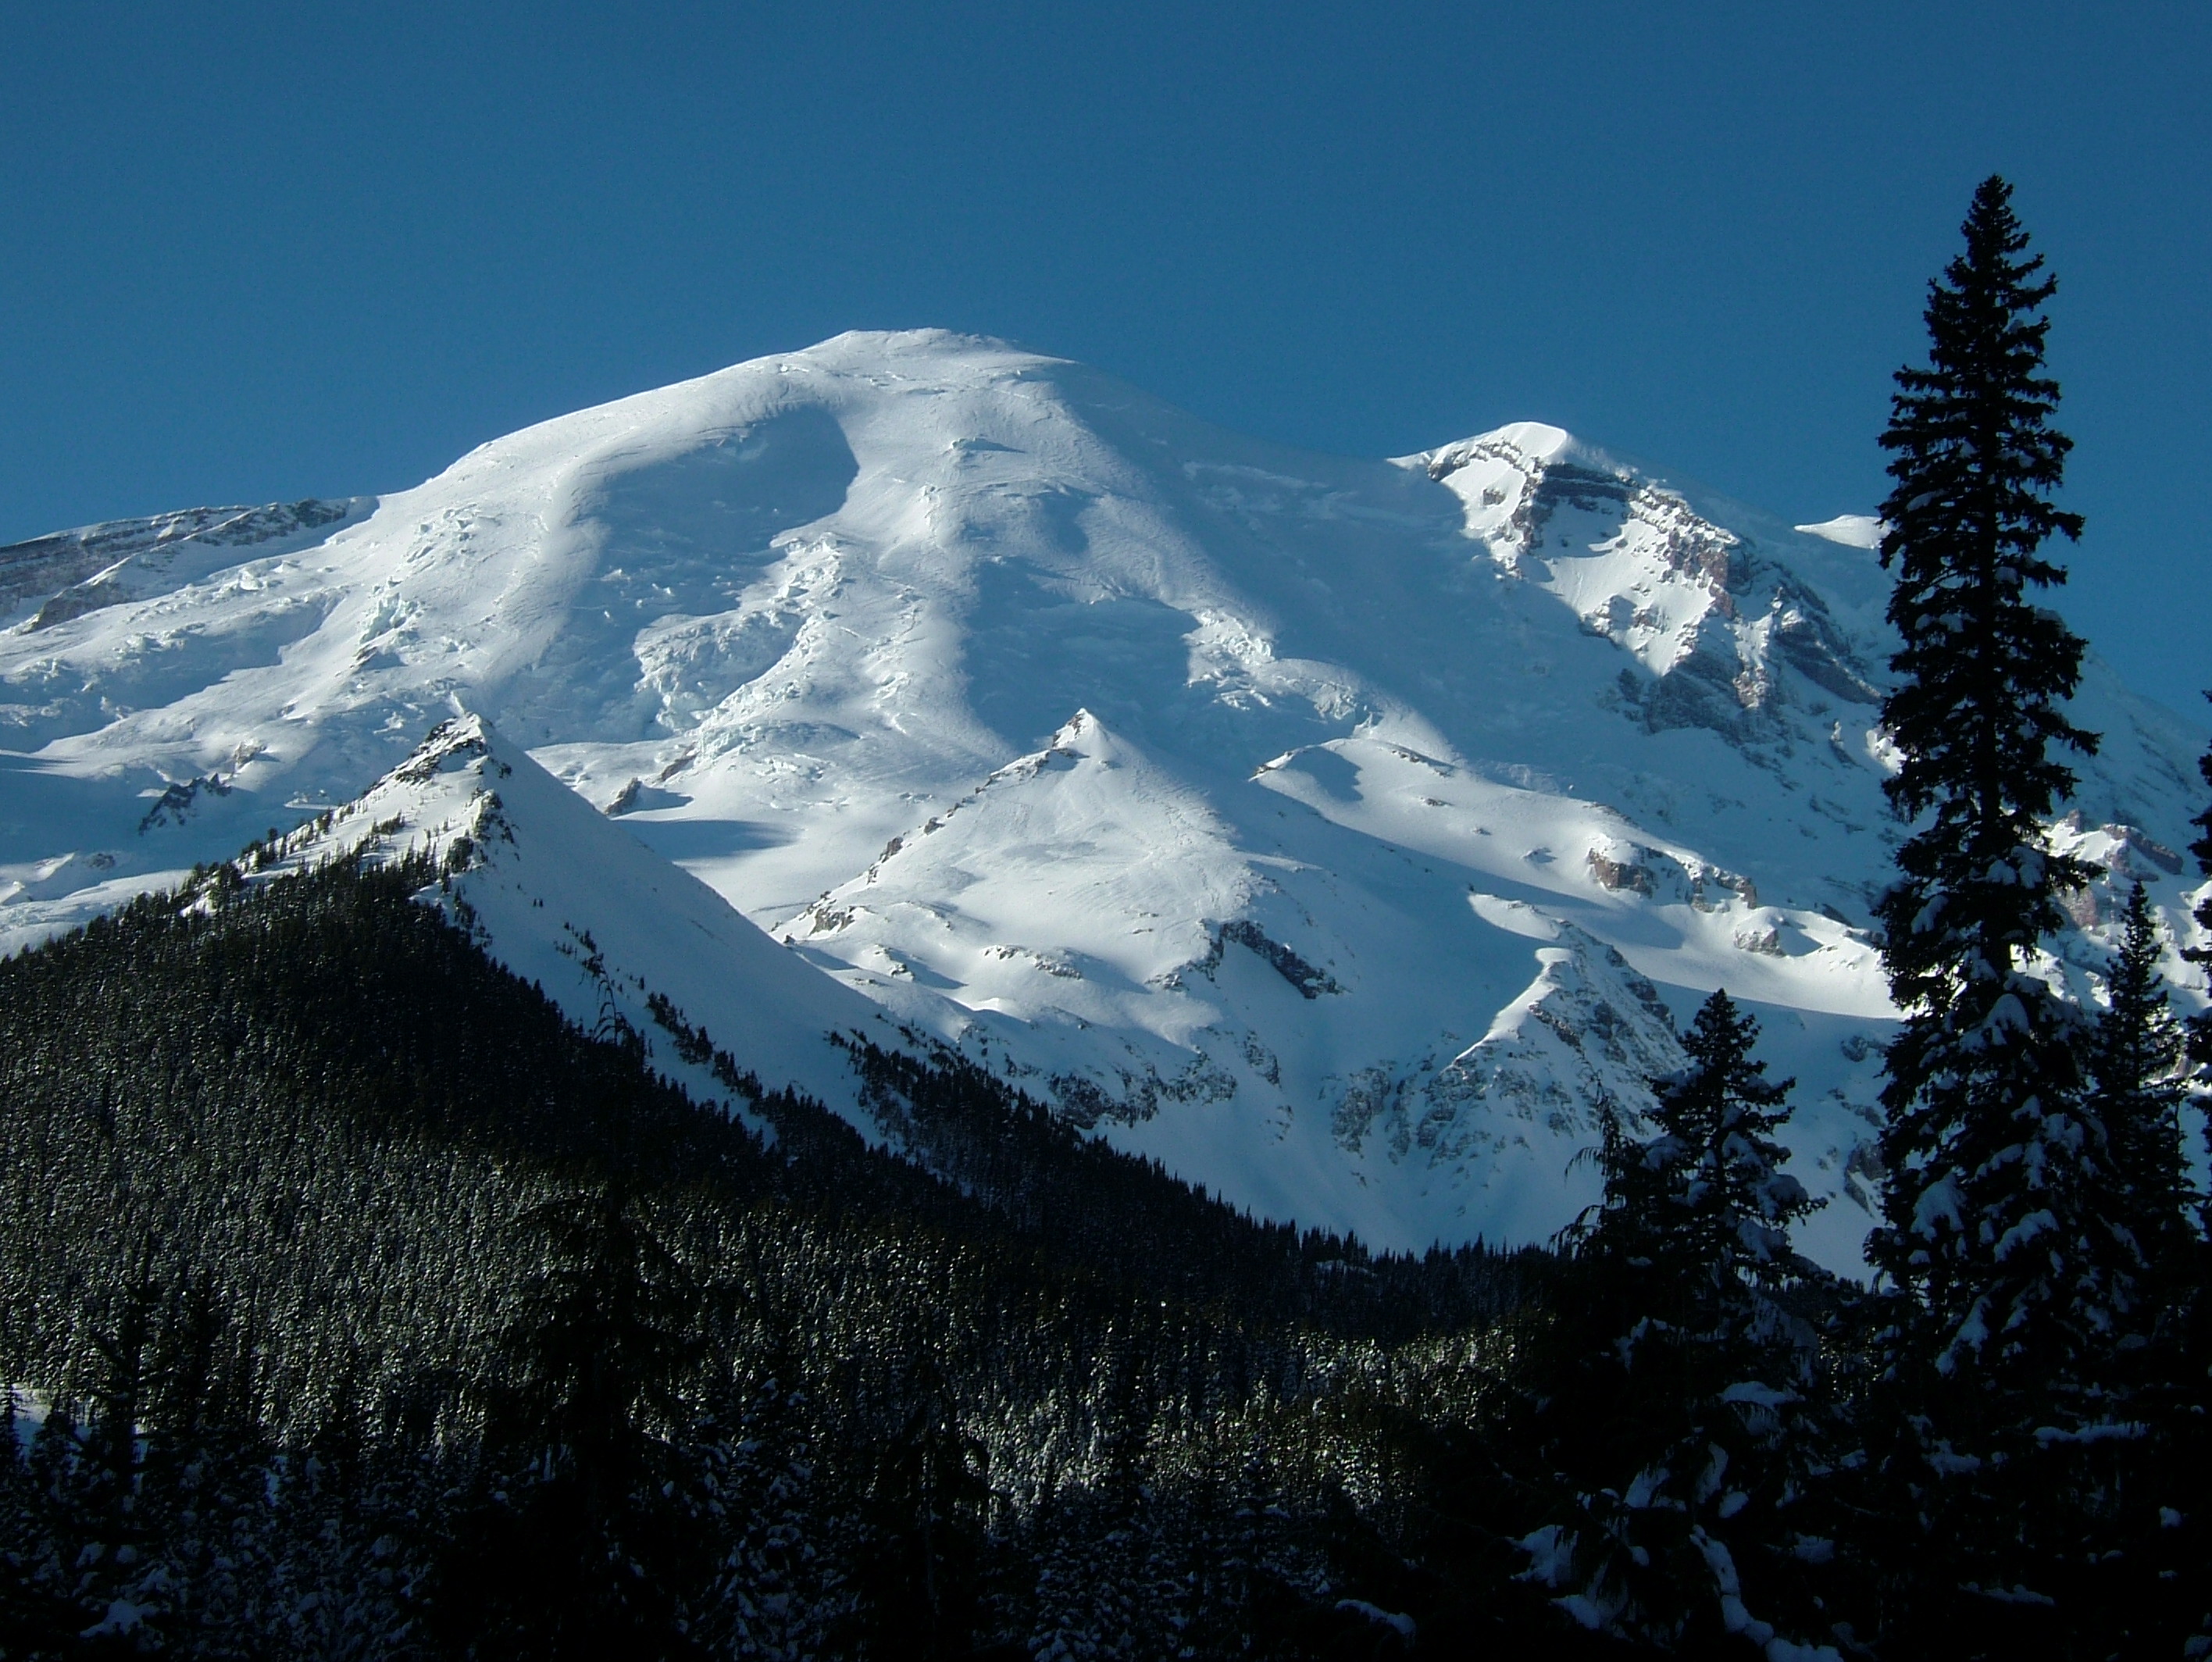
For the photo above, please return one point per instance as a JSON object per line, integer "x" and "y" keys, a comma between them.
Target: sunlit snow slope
{"x": 1342, "y": 831}
{"x": 613, "y": 934}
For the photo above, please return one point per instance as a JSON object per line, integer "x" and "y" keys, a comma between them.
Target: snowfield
{"x": 1345, "y": 834}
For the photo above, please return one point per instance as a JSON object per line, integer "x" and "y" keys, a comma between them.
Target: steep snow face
{"x": 1341, "y": 832}
{"x": 613, "y": 934}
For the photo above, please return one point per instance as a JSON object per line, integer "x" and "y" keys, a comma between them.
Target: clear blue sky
{"x": 250, "y": 253}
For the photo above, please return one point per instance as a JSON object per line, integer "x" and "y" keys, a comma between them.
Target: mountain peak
{"x": 811, "y": 629}
{"x": 560, "y": 895}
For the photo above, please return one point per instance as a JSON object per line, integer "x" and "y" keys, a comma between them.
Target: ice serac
{"x": 1346, "y": 833}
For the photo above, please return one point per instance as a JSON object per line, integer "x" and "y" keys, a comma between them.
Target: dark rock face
{"x": 59, "y": 566}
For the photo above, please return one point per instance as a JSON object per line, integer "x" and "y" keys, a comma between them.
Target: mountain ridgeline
{"x": 1343, "y": 833}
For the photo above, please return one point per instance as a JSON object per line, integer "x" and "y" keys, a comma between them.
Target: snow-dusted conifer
{"x": 2138, "y": 1097}
{"x": 1705, "y": 1204}
{"x": 2180, "y": 1404}
{"x": 1995, "y": 1169}
{"x": 1679, "y": 1416}
{"x": 2154, "y": 1535}
{"x": 2002, "y": 1184}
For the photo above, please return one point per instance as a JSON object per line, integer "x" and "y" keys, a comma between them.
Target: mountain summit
{"x": 1346, "y": 833}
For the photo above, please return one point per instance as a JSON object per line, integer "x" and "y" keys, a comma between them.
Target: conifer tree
{"x": 1678, "y": 1409}
{"x": 1705, "y": 1203}
{"x": 773, "y": 1594}
{"x": 2156, "y": 1542}
{"x": 2138, "y": 1097}
{"x": 579, "y": 1552}
{"x": 925, "y": 1506}
{"x": 2000, "y": 1175}
{"x": 2185, "y": 1450}
{"x": 1987, "y": 1145}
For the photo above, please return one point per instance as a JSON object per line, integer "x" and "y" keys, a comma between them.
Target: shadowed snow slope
{"x": 1341, "y": 832}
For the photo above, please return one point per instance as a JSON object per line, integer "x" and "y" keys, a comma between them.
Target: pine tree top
{"x": 1999, "y": 1174}
{"x": 1984, "y": 672}
{"x": 1970, "y": 433}
{"x": 1705, "y": 1201}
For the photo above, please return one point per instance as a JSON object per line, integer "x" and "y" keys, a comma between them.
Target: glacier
{"x": 1348, "y": 834}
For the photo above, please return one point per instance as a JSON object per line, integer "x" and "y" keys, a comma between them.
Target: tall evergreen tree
{"x": 2001, "y": 1177}
{"x": 1677, "y": 1411}
{"x": 1987, "y": 1145}
{"x": 2138, "y": 1097}
{"x": 581, "y": 1549}
{"x": 2156, "y": 1543}
{"x": 925, "y": 1511}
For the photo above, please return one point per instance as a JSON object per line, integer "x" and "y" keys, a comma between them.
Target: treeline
{"x": 360, "y": 1305}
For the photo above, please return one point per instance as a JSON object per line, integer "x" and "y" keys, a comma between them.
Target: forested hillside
{"x": 446, "y": 1328}
{"x": 359, "y": 1304}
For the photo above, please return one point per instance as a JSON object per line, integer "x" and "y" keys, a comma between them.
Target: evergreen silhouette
{"x": 2134, "y": 1059}
{"x": 577, "y": 1550}
{"x": 2004, "y": 1181}
{"x": 1677, "y": 1415}
{"x": 2152, "y": 1542}
{"x": 1704, "y": 1205}
{"x": 1987, "y": 1142}
{"x": 926, "y": 1508}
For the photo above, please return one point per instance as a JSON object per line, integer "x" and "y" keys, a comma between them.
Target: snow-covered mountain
{"x": 1342, "y": 831}
{"x": 611, "y": 933}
